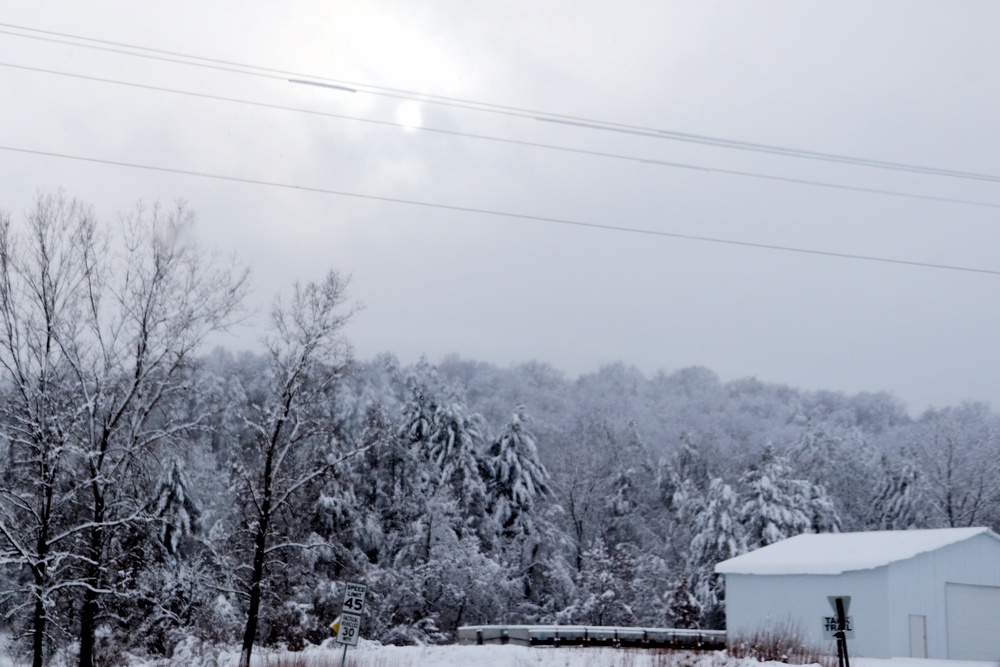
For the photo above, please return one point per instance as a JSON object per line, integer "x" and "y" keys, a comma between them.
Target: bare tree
{"x": 956, "y": 450}
{"x": 41, "y": 277}
{"x": 294, "y": 445}
{"x": 100, "y": 336}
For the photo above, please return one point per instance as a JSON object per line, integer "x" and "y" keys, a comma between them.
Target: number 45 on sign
{"x": 354, "y": 598}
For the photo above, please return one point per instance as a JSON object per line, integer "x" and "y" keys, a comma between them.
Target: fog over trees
{"x": 157, "y": 495}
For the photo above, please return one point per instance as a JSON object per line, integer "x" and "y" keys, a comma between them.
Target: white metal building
{"x": 919, "y": 593}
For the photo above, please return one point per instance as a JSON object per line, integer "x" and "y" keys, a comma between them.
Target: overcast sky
{"x": 908, "y": 82}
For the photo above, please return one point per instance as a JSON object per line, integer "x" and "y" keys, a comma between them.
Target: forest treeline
{"x": 158, "y": 499}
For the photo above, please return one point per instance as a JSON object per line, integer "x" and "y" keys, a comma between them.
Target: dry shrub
{"x": 780, "y": 643}
{"x": 675, "y": 658}
{"x": 331, "y": 659}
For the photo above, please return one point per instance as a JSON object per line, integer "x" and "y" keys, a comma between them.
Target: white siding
{"x": 754, "y": 602}
{"x": 917, "y": 587}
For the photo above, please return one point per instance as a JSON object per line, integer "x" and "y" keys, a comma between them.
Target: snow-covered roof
{"x": 836, "y": 553}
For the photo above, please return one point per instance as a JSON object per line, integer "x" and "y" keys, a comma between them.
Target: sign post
{"x": 840, "y": 605}
{"x": 350, "y": 617}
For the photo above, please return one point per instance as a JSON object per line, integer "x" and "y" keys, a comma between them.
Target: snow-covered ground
{"x": 371, "y": 654}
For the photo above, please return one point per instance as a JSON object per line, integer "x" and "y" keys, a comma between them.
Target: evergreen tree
{"x": 894, "y": 505}
{"x": 444, "y": 435}
{"x": 822, "y": 512}
{"x": 417, "y": 424}
{"x": 393, "y": 484}
{"x": 455, "y": 447}
{"x": 686, "y": 467}
{"x": 683, "y": 608}
{"x": 176, "y": 509}
{"x": 719, "y": 536}
{"x": 775, "y": 506}
{"x": 517, "y": 478}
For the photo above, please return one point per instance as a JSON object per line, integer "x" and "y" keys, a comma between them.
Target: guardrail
{"x": 593, "y": 635}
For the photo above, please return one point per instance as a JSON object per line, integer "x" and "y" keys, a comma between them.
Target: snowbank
{"x": 372, "y": 654}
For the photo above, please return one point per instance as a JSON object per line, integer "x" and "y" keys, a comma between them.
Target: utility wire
{"x": 505, "y": 214}
{"x": 503, "y": 140}
{"x": 566, "y": 119}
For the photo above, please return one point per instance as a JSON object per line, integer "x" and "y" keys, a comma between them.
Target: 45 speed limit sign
{"x": 354, "y": 598}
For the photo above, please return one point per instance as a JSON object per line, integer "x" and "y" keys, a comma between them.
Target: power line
{"x": 566, "y": 119}
{"x": 516, "y": 142}
{"x": 506, "y": 214}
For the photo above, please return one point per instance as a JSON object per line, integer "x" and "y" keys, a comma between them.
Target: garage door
{"x": 973, "y": 622}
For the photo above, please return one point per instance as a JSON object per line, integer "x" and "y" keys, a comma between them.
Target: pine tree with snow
{"x": 417, "y": 423}
{"x": 683, "y": 608}
{"x": 775, "y": 507}
{"x": 517, "y": 478}
{"x": 394, "y": 483}
{"x": 628, "y": 483}
{"x": 686, "y": 467}
{"x": 451, "y": 442}
{"x": 719, "y": 535}
{"x": 894, "y": 505}
{"x": 685, "y": 502}
{"x": 455, "y": 449}
{"x": 822, "y": 511}
{"x": 177, "y": 512}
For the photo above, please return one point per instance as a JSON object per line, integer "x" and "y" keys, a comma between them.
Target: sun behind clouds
{"x": 410, "y": 115}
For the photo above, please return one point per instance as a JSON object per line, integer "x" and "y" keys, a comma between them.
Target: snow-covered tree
{"x": 40, "y": 279}
{"x": 683, "y": 608}
{"x": 774, "y": 505}
{"x": 684, "y": 504}
{"x": 177, "y": 511}
{"x": 423, "y": 384}
{"x": 456, "y": 448}
{"x": 292, "y": 445}
{"x": 718, "y": 536}
{"x": 425, "y": 602}
{"x": 517, "y": 478}
{"x": 822, "y": 512}
{"x": 393, "y": 484}
{"x": 894, "y": 505}
{"x": 124, "y": 311}
{"x": 957, "y": 451}
{"x": 579, "y": 483}
{"x": 605, "y": 592}
{"x": 686, "y": 467}
{"x": 835, "y": 458}
{"x": 629, "y": 495}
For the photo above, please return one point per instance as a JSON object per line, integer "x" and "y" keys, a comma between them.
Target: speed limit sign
{"x": 354, "y": 598}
